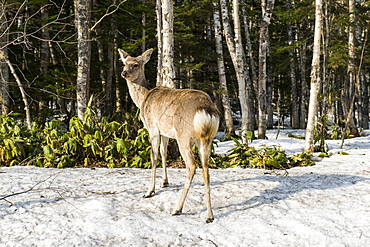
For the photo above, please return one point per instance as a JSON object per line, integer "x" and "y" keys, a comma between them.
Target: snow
{"x": 323, "y": 205}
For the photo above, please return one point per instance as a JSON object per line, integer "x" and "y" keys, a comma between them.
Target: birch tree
{"x": 5, "y": 58}
{"x": 166, "y": 69}
{"x": 221, "y": 71}
{"x": 349, "y": 89}
{"x": 315, "y": 79}
{"x": 262, "y": 72}
{"x": 235, "y": 47}
{"x": 249, "y": 47}
{"x": 83, "y": 24}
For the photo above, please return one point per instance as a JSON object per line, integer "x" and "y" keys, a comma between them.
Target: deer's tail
{"x": 206, "y": 124}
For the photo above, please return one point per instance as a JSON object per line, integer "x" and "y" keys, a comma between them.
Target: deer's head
{"x": 133, "y": 67}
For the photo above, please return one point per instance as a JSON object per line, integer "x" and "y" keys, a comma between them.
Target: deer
{"x": 187, "y": 115}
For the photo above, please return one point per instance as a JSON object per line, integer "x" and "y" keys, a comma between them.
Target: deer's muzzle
{"x": 124, "y": 74}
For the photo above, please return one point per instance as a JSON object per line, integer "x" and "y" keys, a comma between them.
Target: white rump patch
{"x": 205, "y": 124}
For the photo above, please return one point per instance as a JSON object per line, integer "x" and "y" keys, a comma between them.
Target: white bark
{"x": 262, "y": 73}
{"x": 315, "y": 79}
{"x": 350, "y": 89}
{"x": 168, "y": 69}
{"x": 221, "y": 71}
{"x": 160, "y": 42}
{"x": 83, "y": 23}
{"x": 237, "y": 54}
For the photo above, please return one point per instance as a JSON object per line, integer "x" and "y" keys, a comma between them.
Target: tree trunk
{"x": 159, "y": 42}
{"x": 168, "y": 69}
{"x": 249, "y": 47}
{"x": 303, "y": 102}
{"x": 5, "y": 58}
{"x": 315, "y": 79}
{"x": 365, "y": 100}
{"x": 238, "y": 58}
{"x": 221, "y": 72}
{"x": 109, "y": 86}
{"x": 4, "y": 70}
{"x": 349, "y": 89}
{"x": 293, "y": 80}
{"x": 262, "y": 73}
{"x": 83, "y": 23}
{"x": 104, "y": 99}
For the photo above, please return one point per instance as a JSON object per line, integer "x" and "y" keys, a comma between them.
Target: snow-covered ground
{"x": 324, "y": 205}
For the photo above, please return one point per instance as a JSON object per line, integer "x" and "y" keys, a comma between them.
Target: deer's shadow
{"x": 288, "y": 186}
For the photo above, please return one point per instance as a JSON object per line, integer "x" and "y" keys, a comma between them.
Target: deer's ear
{"x": 146, "y": 55}
{"x": 124, "y": 55}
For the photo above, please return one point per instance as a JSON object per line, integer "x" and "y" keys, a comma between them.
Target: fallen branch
{"x": 26, "y": 191}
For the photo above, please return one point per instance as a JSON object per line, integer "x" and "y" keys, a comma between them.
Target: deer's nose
{"x": 124, "y": 73}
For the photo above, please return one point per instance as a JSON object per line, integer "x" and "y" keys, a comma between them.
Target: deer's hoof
{"x": 165, "y": 184}
{"x": 149, "y": 194}
{"x": 209, "y": 220}
{"x": 176, "y": 212}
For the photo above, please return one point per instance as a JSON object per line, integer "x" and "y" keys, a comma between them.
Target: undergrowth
{"x": 94, "y": 142}
{"x": 269, "y": 158}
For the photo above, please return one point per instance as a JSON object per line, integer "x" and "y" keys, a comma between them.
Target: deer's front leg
{"x": 154, "y": 156}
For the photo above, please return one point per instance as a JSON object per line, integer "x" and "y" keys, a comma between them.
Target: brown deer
{"x": 187, "y": 115}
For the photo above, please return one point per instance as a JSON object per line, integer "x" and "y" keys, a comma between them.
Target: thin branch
{"x": 107, "y": 14}
{"x": 30, "y": 189}
{"x": 14, "y": 18}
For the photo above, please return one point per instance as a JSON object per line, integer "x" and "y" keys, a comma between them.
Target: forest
{"x": 61, "y": 82}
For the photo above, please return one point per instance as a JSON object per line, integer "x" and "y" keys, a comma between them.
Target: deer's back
{"x": 172, "y": 110}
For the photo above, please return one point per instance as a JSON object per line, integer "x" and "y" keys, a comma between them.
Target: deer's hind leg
{"x": 154, "y": 156}
{"x": 163, "y": 148}
{"x": 204, "y": 150}
{"x": 187, "y": 155}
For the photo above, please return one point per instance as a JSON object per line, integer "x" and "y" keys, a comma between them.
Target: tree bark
{"x": 350, "y": 87}
{"x": 168, "y": 69}
{"x": 249, "y": 47}
{"x": 293, "y": 80}
{"x": 159, "y": 42}
{"x": 262, "y": 73}
{"x": 5, "y": 58}
{"x": 221, "y": 72}
{"x": 304, "y": 86}
{"x": 4, "y": 70}
{"x": 315, "y": 79}
{"x": 83, "y": 24}
{"x": 238, "y": 58}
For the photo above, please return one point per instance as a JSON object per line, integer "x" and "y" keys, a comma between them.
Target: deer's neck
{"x": 137, "y": 92}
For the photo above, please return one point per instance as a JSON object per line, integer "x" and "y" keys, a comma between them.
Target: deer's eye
{"x": 136, "y": 65}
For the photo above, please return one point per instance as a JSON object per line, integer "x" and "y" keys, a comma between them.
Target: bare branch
{"x": 108, "y": 13}
{"x": 30, "y": 189}
{"x": 15, "y": 17}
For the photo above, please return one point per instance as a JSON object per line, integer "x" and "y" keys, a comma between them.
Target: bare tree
{"x": 221, "y": 71}
{"x": 83, "y": 22}
{"x": 262, "y": 73}
{"x": 235, "y": 47}
{"x": 5, "y": 58}
{"x": 349, "y": 90}
{"x": 315, "y": 79}
{"x": 293, "y": 80}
